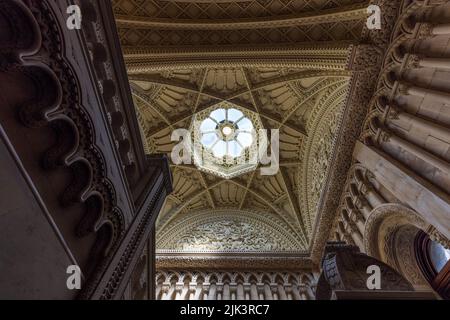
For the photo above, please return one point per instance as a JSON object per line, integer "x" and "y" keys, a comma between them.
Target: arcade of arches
{"x": 87, "y": 133}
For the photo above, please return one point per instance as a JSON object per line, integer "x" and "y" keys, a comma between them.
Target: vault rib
{"x": 283, "y": 216}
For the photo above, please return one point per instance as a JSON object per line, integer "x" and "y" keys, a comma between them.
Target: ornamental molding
{"x": 362, "y": 87}
{"x": 319, "y": 146}
{"x": 240, "y": 262}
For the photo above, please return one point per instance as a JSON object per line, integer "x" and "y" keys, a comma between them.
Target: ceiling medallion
{"x": 225, "y": 140}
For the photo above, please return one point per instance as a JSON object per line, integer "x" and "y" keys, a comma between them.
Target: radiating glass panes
{"x": 209, "y": 139}
{"x": 235, "y": 115}
{"x": 245, "y": 124}
{"x": 218, "y": 115}
{"x": 226, "y": 132}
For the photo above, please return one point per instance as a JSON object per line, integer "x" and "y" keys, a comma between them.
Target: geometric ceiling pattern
{"x": 283, "y": 60}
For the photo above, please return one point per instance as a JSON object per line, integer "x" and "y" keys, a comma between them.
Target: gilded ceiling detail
{"x": 284, "y": 60}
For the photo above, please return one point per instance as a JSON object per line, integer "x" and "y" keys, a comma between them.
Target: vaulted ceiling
{"x": 286, "y": 60}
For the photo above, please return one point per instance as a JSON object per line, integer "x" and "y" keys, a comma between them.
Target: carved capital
{"x": 413, "y": 61}
{"x": 393, "y": 113}
{"x": 403, "y": 88}
{"x": 360, "y": 202}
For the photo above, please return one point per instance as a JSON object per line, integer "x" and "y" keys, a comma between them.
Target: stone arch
{"x": 389, "y": 236}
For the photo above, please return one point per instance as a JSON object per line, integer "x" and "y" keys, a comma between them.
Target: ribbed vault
{"x": 286, "y": 60}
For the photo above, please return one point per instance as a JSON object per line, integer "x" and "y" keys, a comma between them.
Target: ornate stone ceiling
{"x": 286, "y": 60}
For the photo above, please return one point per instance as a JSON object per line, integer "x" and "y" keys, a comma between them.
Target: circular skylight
{"x": 225, "y": 140}
{"x": 226, "y": 132}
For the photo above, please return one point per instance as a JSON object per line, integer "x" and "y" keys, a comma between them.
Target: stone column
{"x": 397, "y": 116}
{"x": 169, "y": 295}
{"x": 198, "y": 294}
{"x": 430, "y": 202}
{"x": 226, "y": 292}
{"x": 354, "y": 231}
{"x": 441, "y": 29}
{"x": 240, "y": 292}
{"x": 180, "y": 291}
{"x": 233, "y": 290}
{"x": 212, "y": 291}
{"x": 435, "y": 63}
{"x": 347, "y": 237}
{"x": 415, "y": 150}
{"x": 281, "y": 292}
{"x": 254, "y": 292}
{"x": 407, "y": 88}
{"x": 362, "y": 204}
{"x": 219, "y": 291}
{"x": 309, "y": 293}
{"x": 296, "y": 293}
{"x": 191, "y": 292}
{"x": 267, "y": 292}
{"x": 434, "y": 15}
{"x": 366, "y": 189}
{"x": 374, "y": 198}
{"x": 358, "y": 219}
{"x": 158, "y": 290}
{"x": 302, "y": 290}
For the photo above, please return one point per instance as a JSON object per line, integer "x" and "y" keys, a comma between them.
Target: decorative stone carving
{"x": 226, "y": 231}
{"x": 389, "y": 216}
{"x": 319, "y": 148}
{"x": 402, "y": 256}
{"x": 225, "y": 236}
{"x": 389, "y": 236}
{"x": 264, "y": 261}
